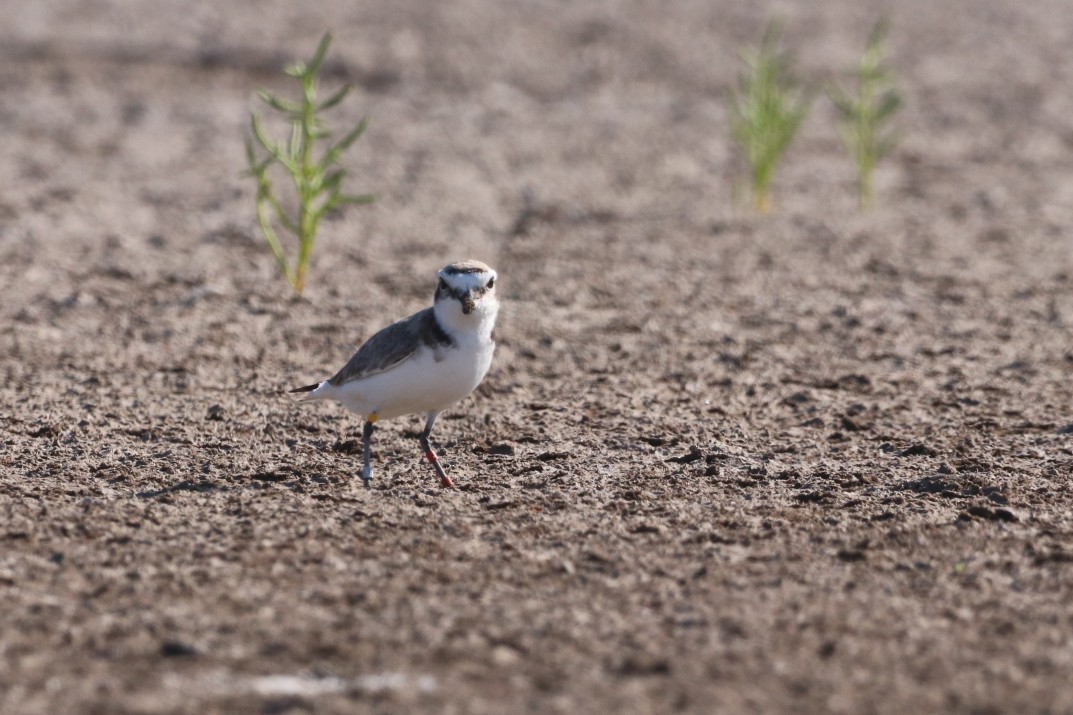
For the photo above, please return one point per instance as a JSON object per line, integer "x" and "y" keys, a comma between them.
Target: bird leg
{"x": 430, "y": 454}
{"x": 367, "y": 450}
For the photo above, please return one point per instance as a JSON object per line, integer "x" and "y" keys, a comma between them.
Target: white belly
{"x": 421, "y": 384}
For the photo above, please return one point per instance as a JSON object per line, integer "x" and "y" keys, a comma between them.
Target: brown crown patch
{"x": 462, "y": 267}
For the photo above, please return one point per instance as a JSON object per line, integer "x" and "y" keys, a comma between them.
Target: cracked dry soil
{"x": 817, "y": 461}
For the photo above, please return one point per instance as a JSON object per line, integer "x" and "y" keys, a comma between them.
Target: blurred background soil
{"x": 816, "y": 461}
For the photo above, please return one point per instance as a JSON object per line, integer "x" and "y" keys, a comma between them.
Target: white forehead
{"x": 469, "y": 279}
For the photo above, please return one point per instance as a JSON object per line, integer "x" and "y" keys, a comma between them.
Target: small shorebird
{"x": 421, "y": 364}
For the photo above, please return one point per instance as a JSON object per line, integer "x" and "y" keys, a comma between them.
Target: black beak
{"x": 468, "y": 303}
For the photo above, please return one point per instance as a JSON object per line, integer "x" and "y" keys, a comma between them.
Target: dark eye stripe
{"x": 459, "y": 292}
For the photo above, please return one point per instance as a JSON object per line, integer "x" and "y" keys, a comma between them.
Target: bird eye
{"x": 443, "y": 284}
{"x": 491, "y": 283}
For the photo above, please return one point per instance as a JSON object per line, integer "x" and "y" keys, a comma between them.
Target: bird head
{"x": 466, "y": 295}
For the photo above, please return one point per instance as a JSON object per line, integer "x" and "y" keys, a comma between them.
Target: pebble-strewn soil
{"x": 816, "y": 461}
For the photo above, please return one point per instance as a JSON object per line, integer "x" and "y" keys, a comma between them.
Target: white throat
{"x": 477, "y": 325}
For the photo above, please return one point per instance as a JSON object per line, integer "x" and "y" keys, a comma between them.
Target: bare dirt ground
{"x": 817, "y": 461}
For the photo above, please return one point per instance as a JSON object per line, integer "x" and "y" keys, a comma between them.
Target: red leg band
{"x": 431, "y": 456}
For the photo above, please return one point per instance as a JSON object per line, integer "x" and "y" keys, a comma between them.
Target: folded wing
{"x": 392, "y": 346}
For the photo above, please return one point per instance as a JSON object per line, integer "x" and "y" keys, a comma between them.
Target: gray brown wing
{"x": 393, "y": 345}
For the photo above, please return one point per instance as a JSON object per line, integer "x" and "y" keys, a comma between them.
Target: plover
{"x": 421, "y": 364}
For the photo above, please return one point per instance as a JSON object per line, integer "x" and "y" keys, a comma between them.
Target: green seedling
{"x": 318, "y": 181}
{"x": 867, "y": 114}
{"x": 766, "y": 111}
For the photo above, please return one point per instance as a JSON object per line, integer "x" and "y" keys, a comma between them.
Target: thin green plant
{"x": 766, "y": 111}
{"x": 318, "y": 180}
{"x": 867, "y": 115}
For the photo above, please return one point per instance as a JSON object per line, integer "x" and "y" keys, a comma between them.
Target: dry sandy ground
{"x": 817, "y": 461}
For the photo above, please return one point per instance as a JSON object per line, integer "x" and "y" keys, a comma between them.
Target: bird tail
{"x": 308, "y": 388}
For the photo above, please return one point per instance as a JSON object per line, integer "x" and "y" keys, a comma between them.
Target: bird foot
{"x": 445, "y": 481}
